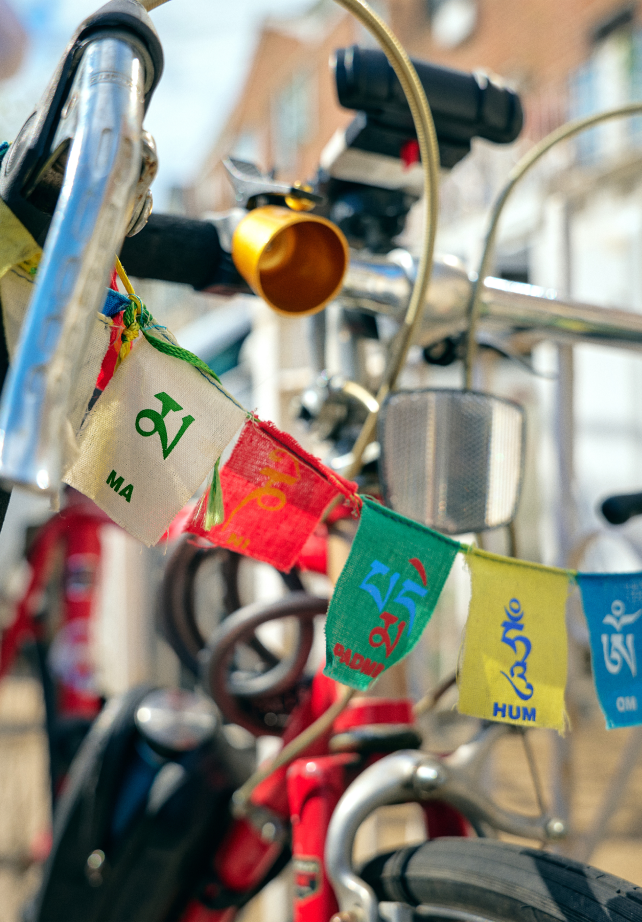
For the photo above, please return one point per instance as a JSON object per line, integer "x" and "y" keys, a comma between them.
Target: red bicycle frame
{"x": 69, "y": 540}
{"x": 303, "y": 796}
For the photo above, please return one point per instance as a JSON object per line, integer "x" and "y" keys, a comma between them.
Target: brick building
{"x": 286, "y": 111}
{"x": 566, "y": 60}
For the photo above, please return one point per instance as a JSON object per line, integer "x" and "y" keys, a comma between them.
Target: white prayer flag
{"x": 151, "y": 439}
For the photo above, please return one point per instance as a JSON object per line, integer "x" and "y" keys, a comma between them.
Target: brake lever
{"x": 96, "y": 128}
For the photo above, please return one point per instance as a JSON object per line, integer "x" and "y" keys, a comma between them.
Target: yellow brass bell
{"x": 294, "y": 261}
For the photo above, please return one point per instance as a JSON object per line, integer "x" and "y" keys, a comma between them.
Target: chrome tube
{"x": 411, "y": 775}
{"x": 382, "y": 285}
{"x": 389, "y": 781}
{"x": 103, "y": 121}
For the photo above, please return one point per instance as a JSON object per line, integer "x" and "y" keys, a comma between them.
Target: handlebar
{"x": 31, "y": 174}
{"x": 102, "y": 123}
{"x": 96, "y": 100}
{"x": 87, "y": 130}
{"x": 381, "y": 285}
{"x": 185, "y": 250}
{"x": 619, "y": 509}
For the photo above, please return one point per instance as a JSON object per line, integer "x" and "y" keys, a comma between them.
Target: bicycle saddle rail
{"x": 408, "y": 776}
{"x": 103, "y": 116}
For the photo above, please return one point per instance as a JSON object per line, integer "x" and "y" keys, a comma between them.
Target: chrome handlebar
{"x": 103, "y": 120}
{"x": 382, "y": 285}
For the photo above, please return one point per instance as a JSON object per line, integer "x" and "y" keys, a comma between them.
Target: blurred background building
{"x": 261, "y": 89}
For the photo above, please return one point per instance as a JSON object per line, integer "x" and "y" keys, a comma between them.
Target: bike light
{"x": 294, "y": 261}
{"x": 452, "y": 460}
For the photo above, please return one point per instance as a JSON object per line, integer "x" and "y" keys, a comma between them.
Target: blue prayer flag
{"x": 114, "y": 303}
{"x": 613, "y": 608}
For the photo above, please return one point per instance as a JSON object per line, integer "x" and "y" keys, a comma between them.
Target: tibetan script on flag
{"x": 274, "y": 494}
{"x": 612, "y": 605}
{"x": 385, "y": 595}
{"x": 514, "y": 656}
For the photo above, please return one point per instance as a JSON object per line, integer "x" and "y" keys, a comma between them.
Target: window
{"x": 294, "y": 119}
{"x": 611, "y": 77}
{"x": 583, "y": 100}
{"x": 452, "y": 21}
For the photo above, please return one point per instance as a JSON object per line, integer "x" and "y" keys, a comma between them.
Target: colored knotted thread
{"x": 137, "y": 319}
{"x": 132, "y": 319}
{"x": 173, "y": 349}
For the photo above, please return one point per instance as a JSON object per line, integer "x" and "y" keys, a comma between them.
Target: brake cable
{"x": 516, "y": 175}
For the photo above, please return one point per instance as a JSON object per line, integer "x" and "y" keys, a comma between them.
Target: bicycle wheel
{"x": 481, "y": 880}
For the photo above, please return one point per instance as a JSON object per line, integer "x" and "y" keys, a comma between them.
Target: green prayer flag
{"x": 385, "y": 595}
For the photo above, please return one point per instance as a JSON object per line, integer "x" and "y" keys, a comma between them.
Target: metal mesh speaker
{"x": 452, "y": 459}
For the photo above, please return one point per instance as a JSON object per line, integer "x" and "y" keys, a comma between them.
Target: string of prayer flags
{"x": 385, "y": 596}
{"x": 274, "y": 494}
{"x": 161, "y": 425}
{"x": 513, "y": 667}
{"x": 151, "y": 439}
{"x": 612, "y": 605}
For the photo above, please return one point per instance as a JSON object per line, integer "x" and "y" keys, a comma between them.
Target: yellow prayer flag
{"x": 16, "y": 243}
{"x": 513, "y": 667}
{"x": 20, "y": 253}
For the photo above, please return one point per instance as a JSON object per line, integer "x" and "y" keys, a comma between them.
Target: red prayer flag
{"x": 274, "y": 494}
{"x": 108, "y": 366}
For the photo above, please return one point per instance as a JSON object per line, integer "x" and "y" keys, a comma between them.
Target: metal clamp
{"x": 250, "y": 185}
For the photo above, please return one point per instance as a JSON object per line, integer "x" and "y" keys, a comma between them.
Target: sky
{"x": 208, "y": 46}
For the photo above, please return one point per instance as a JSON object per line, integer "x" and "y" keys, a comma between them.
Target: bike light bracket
{"x": 253, "y": 188}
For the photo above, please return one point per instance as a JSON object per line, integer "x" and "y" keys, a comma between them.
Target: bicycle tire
{"x": 483, "y": 880}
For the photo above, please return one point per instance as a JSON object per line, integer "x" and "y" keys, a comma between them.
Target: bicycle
{"x": 430, "y": 774}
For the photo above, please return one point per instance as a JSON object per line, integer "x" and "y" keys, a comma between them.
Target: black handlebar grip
{"x": 619, "y": 509}
{"x": 177, "y": 249}
{"x": 463, "y": 105}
